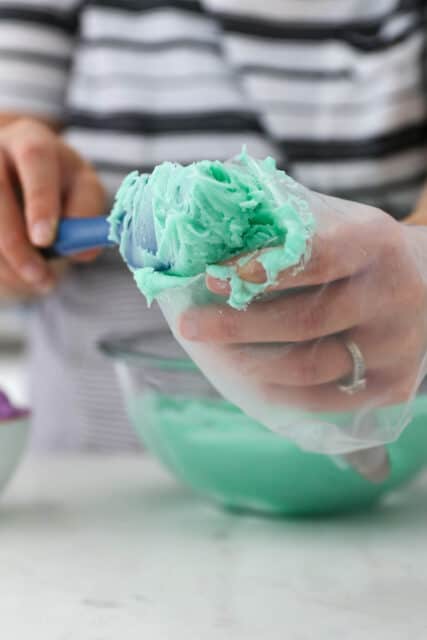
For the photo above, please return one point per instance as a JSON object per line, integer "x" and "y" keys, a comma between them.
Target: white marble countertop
{"x": 112, "y": 548}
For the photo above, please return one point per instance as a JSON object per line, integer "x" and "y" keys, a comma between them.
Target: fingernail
{"x": 247, "y": 270}
{"x": 34, "y": 272}
{"x": 218, "y": 286}
{"x": 189, "y": 329}
{"x": 42, "y": 232}
{"x": 253, "y": 272}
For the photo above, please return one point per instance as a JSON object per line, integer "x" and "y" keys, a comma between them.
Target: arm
{"x": 13, "y": 288}
{"x": 41, "y": 178}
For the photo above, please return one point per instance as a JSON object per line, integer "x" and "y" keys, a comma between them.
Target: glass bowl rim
{"x": 121, "y": 347}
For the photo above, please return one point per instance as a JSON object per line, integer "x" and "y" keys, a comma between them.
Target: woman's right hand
{"x": 41, "y": 180}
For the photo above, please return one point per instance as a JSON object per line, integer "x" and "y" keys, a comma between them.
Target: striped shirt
{"x": 334, "y": 89}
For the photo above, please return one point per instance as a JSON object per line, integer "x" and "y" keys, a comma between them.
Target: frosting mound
{"x": 181, "y": 221}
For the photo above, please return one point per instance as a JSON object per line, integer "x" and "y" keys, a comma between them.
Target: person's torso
{"x": 334, "y": 89}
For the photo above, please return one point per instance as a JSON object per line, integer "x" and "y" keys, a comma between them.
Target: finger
{"x": 342, "y": 246}
{"x": 15, "y": 247}
{"x": 294, "y": 317}
{"x": 85, "y": 199}
{"x": 36, "y": 163}
{"x": 324, "y": 360}
{"x": 11, "y": 285}
{"x": 381, "y": 390}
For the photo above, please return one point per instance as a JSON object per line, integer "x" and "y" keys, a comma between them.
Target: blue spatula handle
{"x": 79, "y": 234}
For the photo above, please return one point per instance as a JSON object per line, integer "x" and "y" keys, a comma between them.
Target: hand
{"x": 14, "y": 290}
{"x": 365, "y": 281}
{"x": 41, "y": 180}
{"x": 419, "y": 215}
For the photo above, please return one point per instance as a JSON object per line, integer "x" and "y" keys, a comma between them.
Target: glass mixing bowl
{"x": 223, "y": 454}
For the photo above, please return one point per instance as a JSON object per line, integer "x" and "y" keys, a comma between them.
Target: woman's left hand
{"x": 366, "y": 282}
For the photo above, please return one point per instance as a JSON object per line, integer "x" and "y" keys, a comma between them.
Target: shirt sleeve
{"x": 36, "y": 47}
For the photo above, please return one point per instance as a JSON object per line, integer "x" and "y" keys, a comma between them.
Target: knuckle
{"x": 90, "y": 179}
{"x": 408, "y": 291}
{"x": 28, "y": 126}
{"x": 87, "y": 194}
{"x": 10, "y": 240}
{"x": 307, "y": 372}
{"x": 391, "y": 244}
{"x": 38, "y": 196}
{"x": 17, "y": 133}
{"x": 88, "y": 172}
{"x": 32, "y": 151}
{"x": 228, "y": 327}
{"x": 25, "y": 123}
{"x": 240, "y": 360}
{"x": 322, "y": 262}
{"x": 307, "y": 322}
{"x": 418, "y": 291}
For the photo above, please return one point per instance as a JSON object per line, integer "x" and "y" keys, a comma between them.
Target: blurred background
{"x": 13, "y": 353}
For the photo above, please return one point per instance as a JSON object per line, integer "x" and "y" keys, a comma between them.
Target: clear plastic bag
{"x": 331, "y": 350}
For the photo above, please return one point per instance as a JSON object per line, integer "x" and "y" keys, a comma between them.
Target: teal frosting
{"x": 181, "y": 221}
{"x": 225, "y": 455}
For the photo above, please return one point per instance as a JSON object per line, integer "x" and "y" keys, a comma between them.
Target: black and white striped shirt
{"x": 334, "y": 89}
